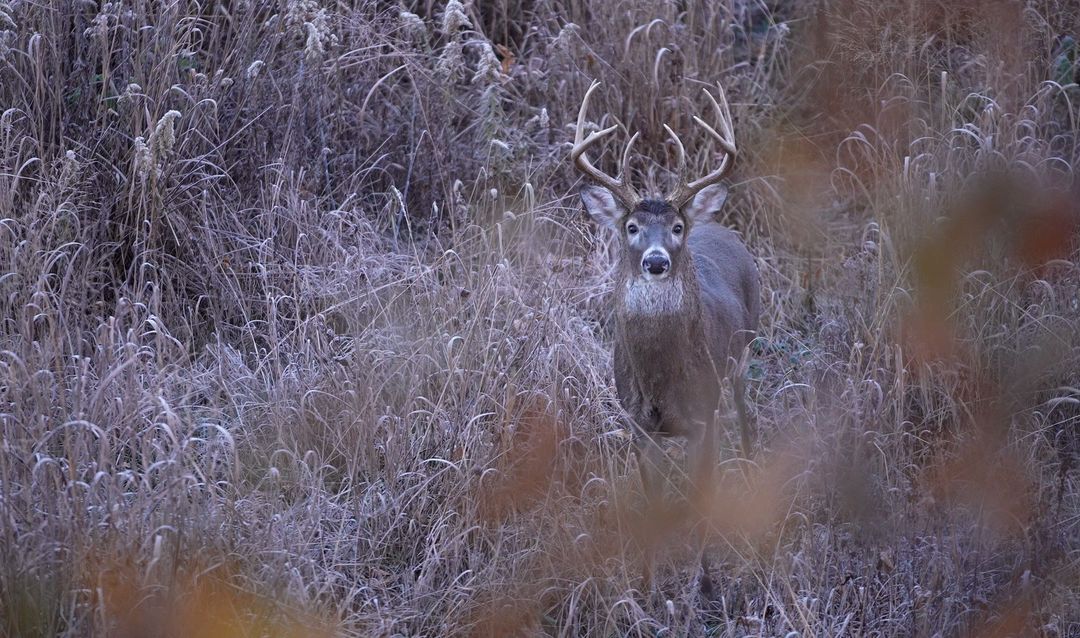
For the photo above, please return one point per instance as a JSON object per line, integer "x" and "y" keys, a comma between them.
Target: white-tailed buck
{"x": 686, "y": 299}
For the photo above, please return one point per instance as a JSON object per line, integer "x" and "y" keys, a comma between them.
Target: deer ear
{"x": 600, "y": 204}
{"x": 706, "y": 203}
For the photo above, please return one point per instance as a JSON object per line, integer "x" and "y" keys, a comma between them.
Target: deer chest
{"x": 665, "y": 385}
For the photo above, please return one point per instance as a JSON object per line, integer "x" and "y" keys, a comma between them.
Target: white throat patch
{"x": 651, "y": 298}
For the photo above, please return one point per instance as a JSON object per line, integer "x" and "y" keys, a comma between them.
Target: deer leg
{"x": 650, "y": 458}
{"x": 702, "y": 458}
{"x": 738, "y": 392}
{"x": 703, "y": 464}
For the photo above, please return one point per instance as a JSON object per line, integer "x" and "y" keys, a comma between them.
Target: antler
{"x": 618, "y": 187}
{"x": 685, "y": 191}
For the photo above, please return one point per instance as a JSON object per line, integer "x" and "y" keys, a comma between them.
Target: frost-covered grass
{"x": 302, "y": 329}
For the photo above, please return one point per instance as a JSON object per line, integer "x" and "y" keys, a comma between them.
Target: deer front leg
{"x": 650, "y": 458}
{"x": 702, "y": 466}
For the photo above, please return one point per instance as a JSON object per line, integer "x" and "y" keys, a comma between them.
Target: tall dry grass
{"x": 303, "y": 332}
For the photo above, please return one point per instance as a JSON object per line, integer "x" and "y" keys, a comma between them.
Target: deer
{"x": 686, "y": 301}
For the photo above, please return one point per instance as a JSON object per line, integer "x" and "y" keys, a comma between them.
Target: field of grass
{"x": 303, "y": 330}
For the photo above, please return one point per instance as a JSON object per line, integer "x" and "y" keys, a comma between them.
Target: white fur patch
{"x": 651, "y": 298}
{"x": 656, "y": 251}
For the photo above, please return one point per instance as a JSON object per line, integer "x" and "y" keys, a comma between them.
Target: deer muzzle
{"x": 656, "y": 263}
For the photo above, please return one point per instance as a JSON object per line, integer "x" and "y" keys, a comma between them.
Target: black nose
{"x": 656, "y": 264}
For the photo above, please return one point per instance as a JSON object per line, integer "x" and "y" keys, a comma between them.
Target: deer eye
{"x": 631, "y": 228}
{"x": 677, "y": 229}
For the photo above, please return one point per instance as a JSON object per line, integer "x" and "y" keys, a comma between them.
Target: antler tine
{"x": 726, "y": 139}
{"x": 618, "y": 187}
{"x": 681, "y": 151}
{"x": 723, "y": 114}
{"x": 624, "y": 172}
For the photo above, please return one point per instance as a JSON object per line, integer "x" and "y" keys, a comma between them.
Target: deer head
{"x": 653, "y": 231}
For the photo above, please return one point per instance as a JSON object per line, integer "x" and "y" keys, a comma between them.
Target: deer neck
{"x": 660, "y": 333}
{"x": 667, "y": 310}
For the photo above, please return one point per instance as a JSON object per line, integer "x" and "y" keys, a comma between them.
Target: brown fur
{"x": 669, "y": 365}
{"x": 677, "y": 338}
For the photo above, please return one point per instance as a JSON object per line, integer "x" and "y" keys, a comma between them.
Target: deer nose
{"x": 655, "y": 263}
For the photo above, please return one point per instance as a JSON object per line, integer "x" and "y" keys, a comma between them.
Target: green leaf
{"x": 1064, "y": 69}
